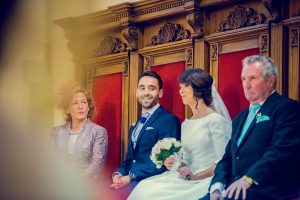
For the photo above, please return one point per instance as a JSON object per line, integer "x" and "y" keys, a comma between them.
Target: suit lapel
{"x": 132, "y": 128}
{"x": 267, "y": 105}
{"x": 247, "y": 132}
{"x": 153, "y": 117}
{"x": 239, "y": 128}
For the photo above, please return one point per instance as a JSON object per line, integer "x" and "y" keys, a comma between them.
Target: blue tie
{"x": 251, "y": 115}
{"x": 139, "y": 127}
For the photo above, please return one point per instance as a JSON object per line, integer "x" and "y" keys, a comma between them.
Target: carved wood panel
{"x": 110, "y": 45}
{"x": 148, "y": 62}
{"x": 294, "y": 37}
{"x": 196, "y": 21}
{"x": 241, "y": 17}
{"x": 264, "y": 44}
{"x": 214, "y": 52}
{"x": 274, "y": 8}
{"x": 189, "y": 61}
{"x": 131, "y": 35}
{"x": 169, "y": 32}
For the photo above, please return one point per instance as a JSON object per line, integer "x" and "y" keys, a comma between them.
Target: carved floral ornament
{"x": 131, "y": 35}
{"x": 110, "y": 45}
{"x": 170, "y": 32}
{"x": 196, "y": 21}
{"x": 241, "y": 17}
{"x": 274, "y": 7}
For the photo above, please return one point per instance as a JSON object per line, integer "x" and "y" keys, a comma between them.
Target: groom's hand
{"x": 169, "y": 162}
{"x": 120, "y": 181}
{"x": 116, "y": 181}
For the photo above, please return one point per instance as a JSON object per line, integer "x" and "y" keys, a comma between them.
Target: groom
{"x": 155, "y": 124}
{"x": 262, "y": 159}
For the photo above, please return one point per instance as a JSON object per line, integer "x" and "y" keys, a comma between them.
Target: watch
{"x": 132, "y": 177}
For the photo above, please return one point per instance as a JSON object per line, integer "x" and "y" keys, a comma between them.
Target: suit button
{"x": 237, "y": 157}
{"x": 134, "y": 161}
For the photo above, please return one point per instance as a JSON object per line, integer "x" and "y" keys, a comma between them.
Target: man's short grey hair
{"x": 269, "y": 68}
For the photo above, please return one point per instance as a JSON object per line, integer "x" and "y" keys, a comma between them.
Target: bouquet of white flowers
{"x": 163, "y": 149}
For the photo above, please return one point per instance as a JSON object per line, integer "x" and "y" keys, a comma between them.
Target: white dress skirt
{"x": 204, "y": 141}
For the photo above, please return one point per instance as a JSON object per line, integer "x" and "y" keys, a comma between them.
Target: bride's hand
{"x": 185, "y": 172}
{"x": 169, "y": 162}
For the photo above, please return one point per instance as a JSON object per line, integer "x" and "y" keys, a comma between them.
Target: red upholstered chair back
{"x": 171, "y": 99}
{"x": 107, "y": 94}
{"x": 229, "y": 80}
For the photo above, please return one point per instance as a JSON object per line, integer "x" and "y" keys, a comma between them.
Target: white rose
{"x": 177, "y": 144}
{"x": 159, "y": 164}
{"x": 166, "y": 144}
{"x": 156, "y": 149}
{"x": 173, "y": 140}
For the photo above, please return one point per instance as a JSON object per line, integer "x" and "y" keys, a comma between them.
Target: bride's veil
{"x": 220, "y": 107}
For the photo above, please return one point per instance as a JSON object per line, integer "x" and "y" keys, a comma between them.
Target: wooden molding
{"x": 110, "y": 45}
{"x": 238, "y": 34}
{"x": 168, "y": 48}
{"x": 131, "y": 35}
{"x": 294, "y": 37}
{"x": 125, "y": 68}
{"x": 107, "y": 60}
{"x": 169, "y": 32}
{"x": 293, "y": 21}
{"x": 90, "y": 77}
{"x": 214, "y": 52}
{"x": 293, "y": 25}
{"x": 214, "y": 62}
{"x": 161, "y": 7}
{"x": 196, "y": 21}
{"x": 279, "y": 54}
{"x": 294, "y": 62}
{"x": 264, "y": 44}
{"x": 201, "y": 54}
{"x": 241, "y": 17}
{"x": 189, "y": 58}
{"x": 168, "y": 53}
{"x": 148, "y": 62}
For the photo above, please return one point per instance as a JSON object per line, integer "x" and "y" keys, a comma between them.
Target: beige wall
{"x": 37, "y": 61}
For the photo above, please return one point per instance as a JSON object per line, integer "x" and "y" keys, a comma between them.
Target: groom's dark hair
{"x": 154, "y": 75}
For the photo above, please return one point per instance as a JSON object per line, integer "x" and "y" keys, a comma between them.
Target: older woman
{"x": 81, "y": 139}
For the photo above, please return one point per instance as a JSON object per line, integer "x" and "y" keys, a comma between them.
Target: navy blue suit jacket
{"x": 161, "y": 124}
{"x": 269, "y": 152}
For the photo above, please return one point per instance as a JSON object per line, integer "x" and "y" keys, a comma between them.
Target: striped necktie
{"x": 139, "y": 127}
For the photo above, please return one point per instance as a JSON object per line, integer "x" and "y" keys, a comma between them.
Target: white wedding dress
{"x": 204, "y": 141}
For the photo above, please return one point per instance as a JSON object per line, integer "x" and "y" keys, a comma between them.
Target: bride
{"x": 204, "y": 138}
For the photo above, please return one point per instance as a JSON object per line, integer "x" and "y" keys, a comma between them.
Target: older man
{"x": 262, "y": 159}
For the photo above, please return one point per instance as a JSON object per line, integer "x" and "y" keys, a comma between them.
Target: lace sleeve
{"x": 99, "y": 152}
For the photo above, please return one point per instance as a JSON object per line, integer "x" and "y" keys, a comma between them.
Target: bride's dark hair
{"x": 201, "y": 82}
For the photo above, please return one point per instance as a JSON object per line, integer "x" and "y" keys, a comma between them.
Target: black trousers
{"x": 249, "y": 196}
